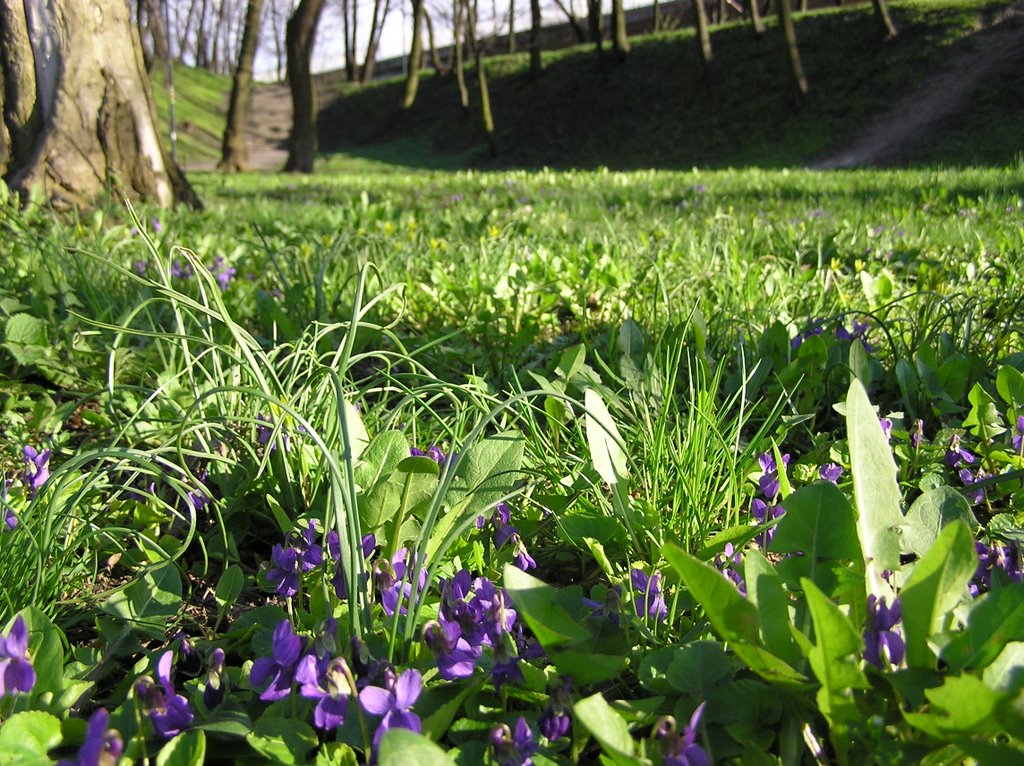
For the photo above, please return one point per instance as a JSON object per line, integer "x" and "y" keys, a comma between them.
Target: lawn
{"x": 491, "y": 467}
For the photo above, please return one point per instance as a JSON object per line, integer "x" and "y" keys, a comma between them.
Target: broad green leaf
{"x": 835, "y": 659}
{"x": 336, "y": 754}
{"x": 605, "y": 725}
{"x": 411, "y": 485}
{"x": 739, "y": 536}
{"x": 733, "y": 617}
{"x": 401, "y": 747}
{"x": 929, "y": 514}
{"x": 995, "y": 619}
{"x": 765, "y": 591}
{"x": 186, "y": 749}
{"x": 381, "y": 456}
{"x": 46, "y": 649}
{"x": 697, "y": 667}
{"x": 149, "y": 601}
{"x": 26, "y": 737}
{"x": 770, "y": 667}
{"x": 572, "y": 361}
{"x": 819, "y": 522}
{"x": 230, "y": 585}
{"x": 534, "y": 600}
{"x": 588, "y": 667}
{"x": 949, "y": 715}
{"x": 860, "y": 363}
{"x": 937, "y": 584}
{"x": 353, "y": 426}
{"x": 1010, "y": 385}
{"x": 983, "y": 420}
{"x": 1006, "y": 673}
{"x": 489, "y": 470}
{"x": 282, "y": 740}
{"x": 445, "y": 706}
{"x": 607, "y": 449}
{"x": 875, "y": 490}
{"x": 229, "y": 719}
{"x": 25, "y": 330}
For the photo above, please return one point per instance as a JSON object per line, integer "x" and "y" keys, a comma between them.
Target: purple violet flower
{"x": 16, "y": 672}
{"x": 330, "y": 683}
{"x": 956, "y": 456}
{"x": 917, "y": 433}
{"x": 1018, "y": 435}
{"x": 728, "y": 562}
{"x": 168, "y": 710}
{"x": 513, "y": 748}
{"x": 10, "y": 519}
{"x": 101, "y": 746}
{"x": 369, "y": 544}
{"x": 883, "y": 643}
{"x": 38, "y": 472}
{"x": 649, "y": 601}
{"x": 279, "y": 668}
{"x": 859, "y": 332}
{"x": 302, "y": 554}
{"x": 830, "y": 472}
{"x": 886, "y": 424}
{"x": 769, "y": 483}
{"x": 216, "y": 679}
{"x": 682, "y": 749}
{"x": 1002, "y": 560}
{"x": 393, "y": 585}
{"x": 555, "y": 722}
{"x": 394, "y": 704}
{"x": 456, "y": 657}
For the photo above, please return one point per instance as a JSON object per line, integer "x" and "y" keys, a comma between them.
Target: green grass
{"x": 200, "y": 110}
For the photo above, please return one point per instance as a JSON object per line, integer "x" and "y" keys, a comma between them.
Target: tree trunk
{"x": 595, "y": 20}
{"x": 885, "y": 25}
{"x": 620, "y": 40}
{"x": 755, "y": 17}
{"x": 350, "y": 69}
{"x": 656, "y": 17}
{"x": 300, "y": 34}
{"x": 581, "y": 37}
{"x": 202, "y": 40}
{"x": 536, "y": 65}
{"x": 235, "y": 149}
{"x": 703, "y": 35}
{"x": 376, "y": 22}
{"x": 412, "y": 79}
{"x": 460, "y": 29}
{"x": 435, "y": 57}
{"x": 83, "y": 125}
{"x": 792, "y": 51}
{"x": 511, "y": 26}
{"x": 155, "y": 22}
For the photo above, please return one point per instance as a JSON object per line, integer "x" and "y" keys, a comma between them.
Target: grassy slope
{"x": 659, "y": 111}
{"x": 200, "y": 109}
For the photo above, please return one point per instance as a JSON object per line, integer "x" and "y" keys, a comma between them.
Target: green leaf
{"x": 937, "y": 584}
{"x": 995, "y": 619}
{"x": 149, "y": 601}
{"x": 930, "y": 513}
{"x": 765, "y": 591}
{"x": 860, "y": 363}
{"x": 381, "y": 456}
{"x": 588, "y": 667}
{"x": 46, "y": 650}
{"x": 835, "y": 660}
{"x": 697, "y": 667}
{"x": 949, "y": 715}
{"x": 186, "y": 749}
{"x": 26, "y": 737}
{"x": 282, "y": 740}
{"x": 230, "y": 585}
{"x": 733, "y": 617}
{"x": 770, "y": 667}
{"x": 605, "y": 725}
{"x": 336, "y": 754}
{"x": 984, "y": 420}
{"x": 534, "y": 600}
{"x": 607, "y": 449}
{"x": 875, "y": 490}
{"x": 1006, "y": 673}
{"x": 819, "y": 522}
{"x": 358, "y": 439}
{"x": 401, "y": 747}
{"x": 1010, "y": 385}
{"x": 25, "y": 330}
{"x": 489, "y": 470}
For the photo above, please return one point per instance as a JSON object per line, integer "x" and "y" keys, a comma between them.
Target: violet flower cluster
{"x": 37, "y": 468}
{"x": 101, "y": 747}
{"x": 680, "y": 748}
{"x": 393, "y": 581}
{"x": 169, "y": 712}
{"x": 649, "y": 601}
{"x": 996, "y": 560}
{"x": 513, "y": 747}
{"x": 299, "y": 554}
{"x": 504, "y": 532}
{"x": 729, "y": 562}
{"x": 962, "y": 460}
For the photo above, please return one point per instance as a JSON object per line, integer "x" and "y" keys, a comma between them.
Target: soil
{"x": 909, "y": 123}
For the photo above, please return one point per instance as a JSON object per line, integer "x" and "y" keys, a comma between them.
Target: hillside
{"x": 947, "y": 90}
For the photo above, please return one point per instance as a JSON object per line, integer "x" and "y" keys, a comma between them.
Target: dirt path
{"x": 911, "y": 119}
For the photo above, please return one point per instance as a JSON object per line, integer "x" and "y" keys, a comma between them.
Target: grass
{"x": 200, "y": 110}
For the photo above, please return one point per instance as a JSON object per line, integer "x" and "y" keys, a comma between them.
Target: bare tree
{"x": 703, "y": 34}
{"x": 792, "y": 51}
{"x": 235, "y": 149}
{"x": 460, "y": 27}
{"x": 620, "y": 40}
{"x": 77, "y": 106}
{"x": 412, "y": 78}
{"x": 570, "y": 15}
{"x": 595, "y": 20}
{"x": 435, "y": 56}
{"x": 885, "y": 25}
{"x": 536, "y": 65}
{"x": 754, "y": 9}
{"x": 380, "y": 13}
{"x": 300, "y": 34}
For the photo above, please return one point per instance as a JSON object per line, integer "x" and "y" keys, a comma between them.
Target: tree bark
{"x": 595, "y": 20}
{"x": 460, "y": 31}
{"x": 412, "y": 79}
{"x": 792, "y": 51}
{"x": 85, "y": 123}
{"x": 435, "y": 56}
{"x": 235, "y": 149}
{"x": 756, "y": 22}
{"x": 885, "y": 25}
{"x": 620, "y": 40}
{"x": 581, "y": 37}
{"x": 376, "y": 22}
{"x": 300, "y": 34}
{"x": 703, "y": 35}
{"x": 511, "y": 26}
{"x": 536, "y": 65}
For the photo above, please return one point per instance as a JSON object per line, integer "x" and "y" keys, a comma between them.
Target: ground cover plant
{"x": 717, "y": 467}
